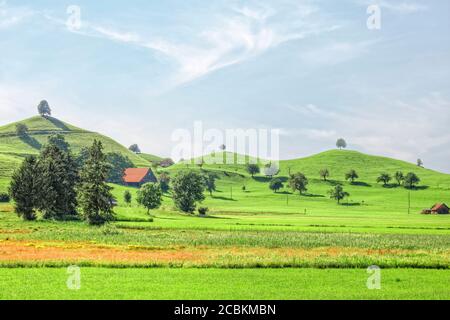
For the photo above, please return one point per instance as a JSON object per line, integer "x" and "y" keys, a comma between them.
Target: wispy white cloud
{"x": 241, "y": 34}
{"x": 12, "y": 16}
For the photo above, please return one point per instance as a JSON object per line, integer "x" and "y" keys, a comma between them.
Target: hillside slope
{"x": 368, "y": 167}
{"x": 13, "y": 148}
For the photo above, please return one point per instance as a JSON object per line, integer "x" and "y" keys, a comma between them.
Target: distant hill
{"x": 338, "y": 162}
{"x": 13, "y": 148}
{"x": 369, "y": 167}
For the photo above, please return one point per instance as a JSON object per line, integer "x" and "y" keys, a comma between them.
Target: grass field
{"x": 213, "y": 284}
{"x": 254, "y": 243}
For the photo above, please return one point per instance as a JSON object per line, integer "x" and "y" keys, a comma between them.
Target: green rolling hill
{"x": 14, "y": 148}
{"x": 231, "y": 196}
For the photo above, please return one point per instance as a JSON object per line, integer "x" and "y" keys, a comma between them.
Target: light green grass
{"x": 213, "y": 284}
{"x": 40, "y": 128}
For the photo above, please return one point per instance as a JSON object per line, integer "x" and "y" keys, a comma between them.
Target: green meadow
{"x": 253, "y": 244}
{"x": 207, "y": 284}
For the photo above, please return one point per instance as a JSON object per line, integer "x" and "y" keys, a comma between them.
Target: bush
{"x": 110, "y": 230}
{"x": 4, "y": 197}
{"x": 202, "y": 211}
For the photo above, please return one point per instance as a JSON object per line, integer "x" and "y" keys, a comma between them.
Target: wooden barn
{"x": 136, "y": 177}
{"x": 438, "y": 208}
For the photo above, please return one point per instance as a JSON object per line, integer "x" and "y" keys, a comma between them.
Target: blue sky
{"x": 136, "y": 71}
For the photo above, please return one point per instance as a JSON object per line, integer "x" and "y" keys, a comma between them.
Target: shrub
{"x": 4, "y": 197}
{"x": 202, "y": 211}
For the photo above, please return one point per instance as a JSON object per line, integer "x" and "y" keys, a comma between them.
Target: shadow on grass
{"x": 351, "y": 204}
{"x": 222, "y": 198}
{"x": 32, "y": 142}
{"x": 57, "y": 123}
{"x": 310, "y": 195}
{"x": 360, "y": 184}
{"x": 418, "y": 188}
{"x": 391, "y": 186}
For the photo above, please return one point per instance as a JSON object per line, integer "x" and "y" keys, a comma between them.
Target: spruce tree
{"x": 94, "y": 194}
{"x": 57, "y": 176}
{"x": 22, "y": 189}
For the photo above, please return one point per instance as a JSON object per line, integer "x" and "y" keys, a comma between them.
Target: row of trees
{"x": 409, "y": 181}
{"x": 54, "y": 184}
{"x": 299, "y": 182}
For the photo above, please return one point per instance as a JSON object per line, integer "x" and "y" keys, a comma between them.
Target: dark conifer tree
{"x": 94, "y": 194}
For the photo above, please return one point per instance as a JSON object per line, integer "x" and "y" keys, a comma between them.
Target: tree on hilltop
{"x": 341, "y": 143}
{"x": 44, "y": 108}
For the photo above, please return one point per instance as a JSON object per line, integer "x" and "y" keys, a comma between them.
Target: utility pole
{"x": 231, "y": 192}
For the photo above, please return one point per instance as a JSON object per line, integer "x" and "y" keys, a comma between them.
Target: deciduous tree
{"x": 150, "y": 196}
{"x": 187, "y": 190}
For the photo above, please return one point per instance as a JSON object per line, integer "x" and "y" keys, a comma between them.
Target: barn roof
{"x": 439, "y": 206}
{"x": 135, "y": 175}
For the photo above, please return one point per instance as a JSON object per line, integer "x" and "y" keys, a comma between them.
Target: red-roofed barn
{"x": 440, "y": 208}
{"x": 136, "y": 177}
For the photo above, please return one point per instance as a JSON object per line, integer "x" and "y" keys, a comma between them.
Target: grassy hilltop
{"x": 13, "y": 148}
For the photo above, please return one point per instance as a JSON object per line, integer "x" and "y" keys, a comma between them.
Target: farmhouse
{"x": 439, "y": 208}
{"x": 136, "y": 177}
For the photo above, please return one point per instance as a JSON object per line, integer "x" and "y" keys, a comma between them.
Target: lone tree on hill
{"x": 419, "y": 163}
{"x": 94, "y": 194}
{"x": 22, "y": 189}
{"x": 134, "y": 148}
{"x": 21, "y": 129}
{"x": 324, "y": 174}
{"x": 400, "y": 177}
{"x": 338, "y": 193}
{"x": 298, "y": 182}
{"x": 252, "y": 169}
{"x": 341, "y": 143}
{"x": 276, "y": 184}
{"x": 44, "y": 108}
{"x": 385, "y": 178}
{"x": 187, "y": 190}
{"x": 150, "y": 196}
{"x": 210, "y": 182}
{"x": 352, "y": 175}
{"x": 411, "y": 180}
